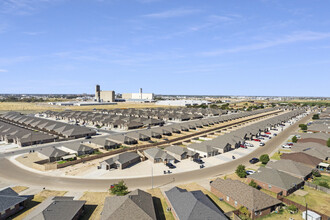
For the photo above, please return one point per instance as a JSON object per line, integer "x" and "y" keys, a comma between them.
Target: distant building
{"x": 138, "y": 96}
{"x": 104, "y": 96}
{"x": 182, "y": 102}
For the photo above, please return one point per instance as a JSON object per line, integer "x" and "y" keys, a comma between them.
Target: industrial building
{"x": 104, "y": 96}
{"x": 138, "y": 96}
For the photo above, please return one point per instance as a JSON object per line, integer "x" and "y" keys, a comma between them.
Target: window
{"x": 227, "y": 198}
{"x": 3, "y": 212}
{"x": 269, "y": 186}
{"x": 235, "y": 203}
{"x": 13, "y": 207}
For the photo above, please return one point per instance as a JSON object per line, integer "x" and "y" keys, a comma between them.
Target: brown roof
{"x": 302, "y": 158}
{"x": 244, "y": 194}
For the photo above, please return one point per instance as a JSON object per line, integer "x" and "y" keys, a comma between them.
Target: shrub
{"x": 316, "y": 173}
{"x": 303, "y": 127}
{"x": 292, "y": 208}
{"x": 294, "y": 139}
{"x": 244, "y": 212}
{"x": 264, "y": 158}
{"x": 324, "y": 184}
{"x": 253, "y": 184}
{"x": 240, "y": 171}
{"x": 119, "y": 189}
{"x": 328, "y": 142}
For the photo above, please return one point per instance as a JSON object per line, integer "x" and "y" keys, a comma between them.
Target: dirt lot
{"x": 37, "y": 107}
{"x": 94, "y": 204}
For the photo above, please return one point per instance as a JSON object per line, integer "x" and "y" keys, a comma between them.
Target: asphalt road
{"x": 9, "y": 172}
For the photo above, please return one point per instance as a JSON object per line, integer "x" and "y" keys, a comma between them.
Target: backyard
{"x": 160, "y": 205}
{"x": 317, "y": 200}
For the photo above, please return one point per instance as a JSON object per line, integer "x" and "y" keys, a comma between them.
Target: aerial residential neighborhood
{"x": 164, "y": 110}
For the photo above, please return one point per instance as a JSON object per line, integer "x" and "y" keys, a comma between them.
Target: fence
{"x": 142, "y": 147}
{"x": 317, "y": 187}
{"x": 303, "y": 208}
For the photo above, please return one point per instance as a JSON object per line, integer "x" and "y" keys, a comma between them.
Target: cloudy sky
{"x": 209, "y": 47}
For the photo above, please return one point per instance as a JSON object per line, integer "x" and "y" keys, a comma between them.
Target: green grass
{"x": 322, "y": 178}
{"x": 272, "y": 194}
{"x": 61, "y": 162}
{"x": 316, "y": 200}
{"x": 276, "y": 156}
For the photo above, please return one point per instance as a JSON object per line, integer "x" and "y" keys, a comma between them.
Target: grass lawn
{"x": 283, "y": 215}
{"x": 94, "y": 204}
{"x": 316, "y": 200}
{"x": 323, "y": 178}
{"x": 221, "y": 204}
{"x": 160, "y": 205}
{"x": 38, "y": 198}
{"x": 19, "y": 189}
{"x": 276, "y": 156}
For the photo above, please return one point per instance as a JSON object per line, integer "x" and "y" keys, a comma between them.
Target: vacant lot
{"x": 38, "y": 107}
{"x": 317, "y": 200}
{"x": 38, "y": 198}
{"x": 94, "y": 204}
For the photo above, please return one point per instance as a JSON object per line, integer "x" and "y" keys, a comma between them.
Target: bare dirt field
{"x": 41, "y": 106}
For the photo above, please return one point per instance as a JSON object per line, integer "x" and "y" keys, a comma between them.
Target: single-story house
{"x": 157, "y": 155}
{"x": 135, "y": 205}
{"x": 180, "y": 153}
{"x": 120, "y": 161}
{"x": 77, "y": 149}
{"x": 276, "y": 181}
{"x": 187, "y": 205}
{"x": 11, "y": 203}
{"x": 291, "y": 167}
{"x": 103, "y": 142}
{"x": 240, "y": 194}
{"x": 302, "y": 158}
{"x": 122, "y": 139}
{"x": 203, "y": 149}
{"x": 60, "y": 207}
{"x": 51, "y": 154}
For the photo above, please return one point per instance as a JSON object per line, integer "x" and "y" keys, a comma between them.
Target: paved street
{"x": 16, "y": 175}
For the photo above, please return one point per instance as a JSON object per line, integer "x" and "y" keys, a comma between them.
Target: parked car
{"x": 257, "y": 140}
{"x": 261, "y": 144}
{"x": 267, "y": 133}
{"x": 286, "y": 146}
{"x": 170, "y": 165}
{"x": 254, "y": 160}
{"x": 290, "y": 143}
{"x": 275, "y": 135}
{"x": 249, "y": 172}
{"x": 248, "y": 144}
{"x": 197, "y": 160}
{"x": 243, "y": 146}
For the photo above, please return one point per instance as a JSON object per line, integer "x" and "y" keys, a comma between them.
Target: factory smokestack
{"x": 140, "y": 93}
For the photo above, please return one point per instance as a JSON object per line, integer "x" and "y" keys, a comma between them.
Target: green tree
{"x": 264, "y": 158}
{"x": 316, "y": 116}
{"x": 328, "y": 142}
{"x": 119, "y": 189}
{"x": 294, "y": 139}
{"x": 303, "y": 127}
{"x": 253, "y": 184}
{"x": 240, "y": 171}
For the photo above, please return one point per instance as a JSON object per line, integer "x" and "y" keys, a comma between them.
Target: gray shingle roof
{"x": 244, "y": 194}
{"x": 9, "y": 198}
{"x": 276, "y": 178}
{"x": 291, "y": 167}
{"x": 193, "y": 205}
{"x": 136, "y": 205}
{"x": 157, "y": 153}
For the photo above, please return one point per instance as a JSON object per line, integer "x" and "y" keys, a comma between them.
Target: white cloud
{"x": 172, "y": 13}
{"x": 288, "y": 39}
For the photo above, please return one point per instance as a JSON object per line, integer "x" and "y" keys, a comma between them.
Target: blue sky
{"x": 209, "y": 47}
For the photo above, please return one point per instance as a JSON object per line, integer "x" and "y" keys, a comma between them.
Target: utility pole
{"x": 152, "y": 177}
